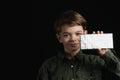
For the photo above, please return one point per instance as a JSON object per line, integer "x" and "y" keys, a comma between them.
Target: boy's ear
{"x": 59, "y": 38}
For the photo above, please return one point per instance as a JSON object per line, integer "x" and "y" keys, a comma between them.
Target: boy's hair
{"x": 70, "y": 18}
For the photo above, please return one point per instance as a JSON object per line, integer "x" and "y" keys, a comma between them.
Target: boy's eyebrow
{"x": 69, "y": 33}
{"x": 65, "y": 32}
{"x": 79, "y": 31}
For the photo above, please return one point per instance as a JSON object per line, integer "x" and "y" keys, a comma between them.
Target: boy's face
{"x": 70, "y": 37}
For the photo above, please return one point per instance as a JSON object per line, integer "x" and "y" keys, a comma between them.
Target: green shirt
{"x": 81, "y": 67}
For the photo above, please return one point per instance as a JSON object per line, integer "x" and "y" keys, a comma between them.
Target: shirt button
{"x": 72, "y": 66}
{"x": 73, "y": 79}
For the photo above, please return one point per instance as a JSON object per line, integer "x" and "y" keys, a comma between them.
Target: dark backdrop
{"x": 100, "y": 15}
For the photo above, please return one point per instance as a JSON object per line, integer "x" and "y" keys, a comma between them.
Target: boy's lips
{"x": 74, "y": 44}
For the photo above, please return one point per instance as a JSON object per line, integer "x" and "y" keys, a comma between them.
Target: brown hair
{"x": 71, "y": 18}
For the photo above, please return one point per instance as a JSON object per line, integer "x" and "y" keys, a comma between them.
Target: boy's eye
{"x": 78, "y": 33}
{"x": 65, "y": 35}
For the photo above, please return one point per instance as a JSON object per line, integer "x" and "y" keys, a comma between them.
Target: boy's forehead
{"x": 71, "y": 28}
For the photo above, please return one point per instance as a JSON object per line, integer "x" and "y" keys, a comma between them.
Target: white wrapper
{"x": 95, "y": 41}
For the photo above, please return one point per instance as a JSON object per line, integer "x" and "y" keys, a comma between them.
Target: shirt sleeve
{"x": 112, "y": 62}
{"x": 42, "y": 72}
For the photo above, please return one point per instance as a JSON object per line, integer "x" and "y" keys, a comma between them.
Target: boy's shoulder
{"x": 49, "y": 61}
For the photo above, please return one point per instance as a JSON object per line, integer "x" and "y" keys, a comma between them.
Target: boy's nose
{"x": 73, "y": 38}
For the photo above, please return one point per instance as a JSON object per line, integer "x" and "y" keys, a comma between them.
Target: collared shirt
{"x": 81, "y": 67}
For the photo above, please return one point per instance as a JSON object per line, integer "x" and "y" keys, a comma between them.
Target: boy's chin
{"x": 75, "y": 48}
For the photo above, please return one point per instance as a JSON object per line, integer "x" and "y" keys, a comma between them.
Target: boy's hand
{"x": 100, "y": 51}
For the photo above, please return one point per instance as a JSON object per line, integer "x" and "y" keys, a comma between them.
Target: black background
{"x": 100, "y": 15}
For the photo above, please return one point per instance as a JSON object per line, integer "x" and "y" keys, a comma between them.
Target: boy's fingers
{"x": 85, "y": 32}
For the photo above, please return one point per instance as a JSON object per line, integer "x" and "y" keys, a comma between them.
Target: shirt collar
{"x": 61, "y": 55}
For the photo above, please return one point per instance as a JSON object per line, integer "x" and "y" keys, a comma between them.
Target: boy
{"x": 72, "y": 63}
